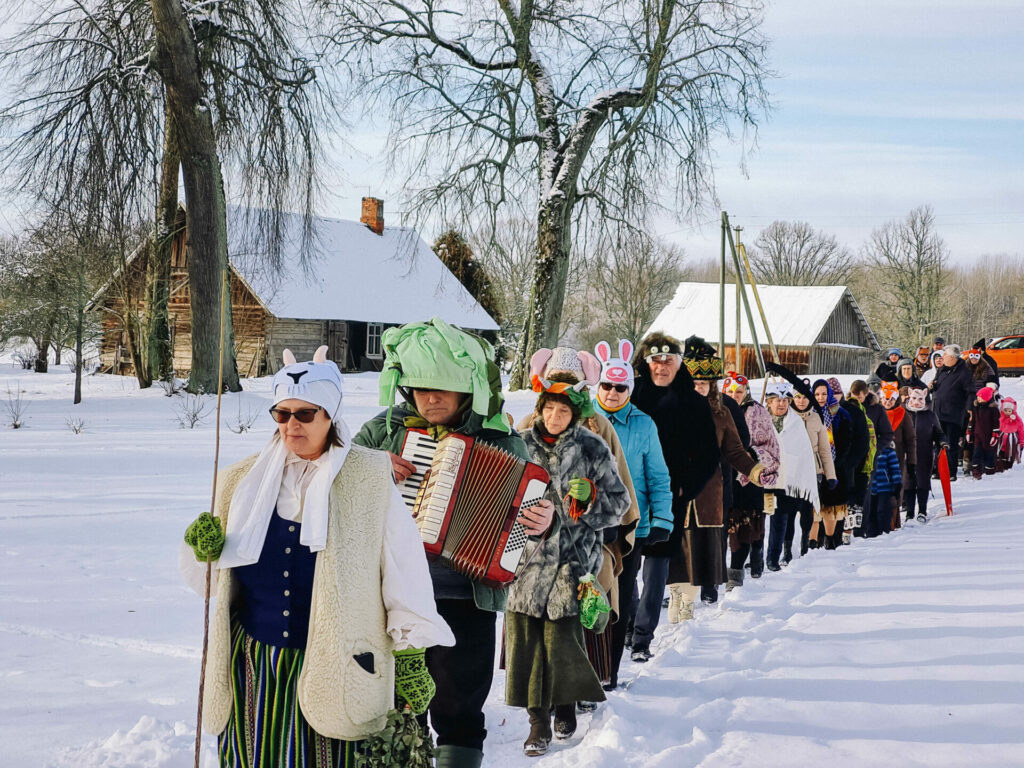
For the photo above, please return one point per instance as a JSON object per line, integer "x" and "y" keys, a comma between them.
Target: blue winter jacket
{"x": 886, "y": 478}
{"x": 639, "y": 437}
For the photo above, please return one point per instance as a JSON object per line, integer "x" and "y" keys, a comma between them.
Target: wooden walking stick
{"x": 224, "y": 294}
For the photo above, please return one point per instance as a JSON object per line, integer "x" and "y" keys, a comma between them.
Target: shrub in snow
{"x": 75, "y": 424}
{"x": 191, "y": 411}
{"x": 15, "y": 405}
{"x": 25, "y": 357}
{"x": 243, "y": 422}
{"x": 171, "y": 387}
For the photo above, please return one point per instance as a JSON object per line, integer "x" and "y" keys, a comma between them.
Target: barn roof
{"x": 796, "y": 314}
{"x": 358, "y": 275}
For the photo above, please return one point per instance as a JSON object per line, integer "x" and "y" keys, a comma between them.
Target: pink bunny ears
{"x": 583, "y": 365}
{"x": 616, "y": 370}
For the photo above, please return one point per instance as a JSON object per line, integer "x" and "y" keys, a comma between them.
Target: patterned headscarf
{"x": 828, "y": 413}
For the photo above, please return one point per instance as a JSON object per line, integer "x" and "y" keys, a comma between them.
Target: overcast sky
{"x": 880, "y": 106}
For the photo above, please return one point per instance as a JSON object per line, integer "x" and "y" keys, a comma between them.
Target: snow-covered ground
{"x": 905, "y": 651}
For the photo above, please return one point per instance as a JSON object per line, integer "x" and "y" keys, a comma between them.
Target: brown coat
{"x": 708, "y": 504}
{"x": 819, "y": 442}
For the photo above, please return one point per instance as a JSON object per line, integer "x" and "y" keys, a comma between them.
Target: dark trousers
{"x": 954, "y": 431}
{"x": 806, "y": 521}
{"x": 462, "y": 674}
{"x": 648, "y": 611}
{"x": 628, "y": 600}
{"x": 880, "y": 519}
{"x": 782, "y": 525}
{"x": 918, "y": 495}
{"x": 983, "y": 456}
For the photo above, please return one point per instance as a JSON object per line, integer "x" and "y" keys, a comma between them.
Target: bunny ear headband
{"x": 583, "y": 366}
{"x": 616, "y": 370}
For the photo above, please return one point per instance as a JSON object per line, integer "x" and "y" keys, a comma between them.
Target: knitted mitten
{"x": 413, "y": 682}
{"x": 206, "y": 537}
{"x": 591, "y": 602}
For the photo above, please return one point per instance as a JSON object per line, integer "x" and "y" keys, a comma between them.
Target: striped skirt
{"x": 267, "y": 728}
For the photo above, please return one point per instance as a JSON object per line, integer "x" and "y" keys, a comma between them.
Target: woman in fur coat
{"x": 545, "y": 658}
{"x": 746, "y": 515}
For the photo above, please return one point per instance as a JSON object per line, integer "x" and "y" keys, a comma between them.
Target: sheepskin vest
{"x": 347, "y": 616}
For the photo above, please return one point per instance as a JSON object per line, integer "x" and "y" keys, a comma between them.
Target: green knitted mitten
{"x": 205, "y": 537}
{"x": 591, "y": 602}
{"x": 413, "y": 682}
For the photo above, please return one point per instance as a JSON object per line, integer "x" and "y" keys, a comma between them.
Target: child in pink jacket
{"x": 1010, "y": 437}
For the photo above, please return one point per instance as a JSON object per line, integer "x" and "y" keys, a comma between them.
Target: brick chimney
{"x": 373, "y": 214}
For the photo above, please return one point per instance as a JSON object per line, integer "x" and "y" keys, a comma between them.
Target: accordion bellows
{"x": 466, "y": 500}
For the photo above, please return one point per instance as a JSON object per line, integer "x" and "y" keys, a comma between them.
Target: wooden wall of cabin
{"x": 302, "y": 337}
{"x": 795, "y": 358}
{"x": 842, "y": 360}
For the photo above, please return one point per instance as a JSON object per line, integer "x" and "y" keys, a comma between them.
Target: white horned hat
{"x": 317, "y": 381}
{"x": 616, "y": 370}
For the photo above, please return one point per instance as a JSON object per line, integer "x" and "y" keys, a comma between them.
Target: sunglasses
{"x": 608, "y": 387}
{"x": 304, "y": 415}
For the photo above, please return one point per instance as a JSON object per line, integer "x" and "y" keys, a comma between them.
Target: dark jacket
{"x": 928, "y": 435}
{"x": 728, "y": 472}
{"x": 904, "y": 436}
{"x": 953, "y": 391}
{"x": 841, "y": 439}
{"x": 688, "y": 438}
{"x": 883, "y": 429}
{"x": 886, "y": 371}
{"x": 984, "y": 423}
{"x": 447, "y": 583}
{"x": 860, "y": 438}
{"x": 982, "y": 374}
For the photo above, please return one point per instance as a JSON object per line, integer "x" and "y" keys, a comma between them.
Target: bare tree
{"x": 986, "y": 299}
{"x": 631, "y": 279}
{"x": 908, "y": 261}
{"x": 566, "y": 103}
{"x": 794, "y": 253}
{"x": 189, "y": 83}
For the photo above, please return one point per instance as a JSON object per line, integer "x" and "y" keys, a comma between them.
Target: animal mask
{"x": 616, "y": 370}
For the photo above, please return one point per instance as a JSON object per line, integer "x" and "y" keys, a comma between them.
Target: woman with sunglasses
{"x": 323, "y": 599}
{"x": 638, "y": 436}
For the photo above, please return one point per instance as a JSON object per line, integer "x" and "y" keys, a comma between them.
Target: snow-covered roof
{"x": 358, "y": 275}
{"x": 796, "y": 314}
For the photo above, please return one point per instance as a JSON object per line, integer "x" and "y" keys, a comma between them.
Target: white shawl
{"x": 304, "y": 490}
{"x": 798, "y": 475}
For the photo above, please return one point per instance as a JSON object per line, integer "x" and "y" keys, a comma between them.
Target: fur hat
{"x": 702, "y": 361}
{"x": 616, "y": 370}
{"x": 317, "y": 381}
{"x": 657, "y": 343}
{"x": 873, "y": 382}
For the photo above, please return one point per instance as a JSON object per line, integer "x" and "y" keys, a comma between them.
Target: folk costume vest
{"x": 338, "y": 697}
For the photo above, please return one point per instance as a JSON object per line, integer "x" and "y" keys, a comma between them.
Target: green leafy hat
{"x": 436, "y": 355}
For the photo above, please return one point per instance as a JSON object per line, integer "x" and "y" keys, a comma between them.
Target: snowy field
{"x": 906, "y": 651}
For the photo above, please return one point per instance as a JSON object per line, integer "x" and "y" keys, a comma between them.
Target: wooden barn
{"x": 363, "y": 279}
{"x": 816, "y": 329}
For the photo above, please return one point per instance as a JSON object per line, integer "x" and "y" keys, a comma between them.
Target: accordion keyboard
{"x": 419, "y": 451}
{"x": 438, "y": 490}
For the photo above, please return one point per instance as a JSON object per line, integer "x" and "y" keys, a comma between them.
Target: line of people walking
{"x": 667, "y": 475}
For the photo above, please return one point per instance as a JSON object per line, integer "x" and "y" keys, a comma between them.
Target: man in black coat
{"x": 953, "y": 392}
{"x": 886, "y": 369}
{"x": 689, "y": 441}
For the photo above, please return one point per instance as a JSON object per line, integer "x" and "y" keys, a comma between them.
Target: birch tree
{"x": 606, "y": 106}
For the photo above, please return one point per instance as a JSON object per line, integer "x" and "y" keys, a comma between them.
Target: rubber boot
{"x": 565, "y": 720}
{"x": 735, "y": 579}
{"x": 451, "y": 756}
{"x": 539, "y": 740}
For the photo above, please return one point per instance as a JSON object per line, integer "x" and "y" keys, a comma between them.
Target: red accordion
{"x": 466, "y": 496}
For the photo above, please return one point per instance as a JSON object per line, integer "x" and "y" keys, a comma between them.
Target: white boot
{"x": 680, "y": 605}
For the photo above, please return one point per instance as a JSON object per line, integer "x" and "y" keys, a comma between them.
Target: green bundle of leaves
{"x": 402, "y": 742}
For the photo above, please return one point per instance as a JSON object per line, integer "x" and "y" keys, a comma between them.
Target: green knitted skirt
{"x": 267, "y": 728}
{"x": 546, "y": 663}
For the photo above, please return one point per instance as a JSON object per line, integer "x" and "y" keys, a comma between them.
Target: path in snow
{"x": 906, "y": 651}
